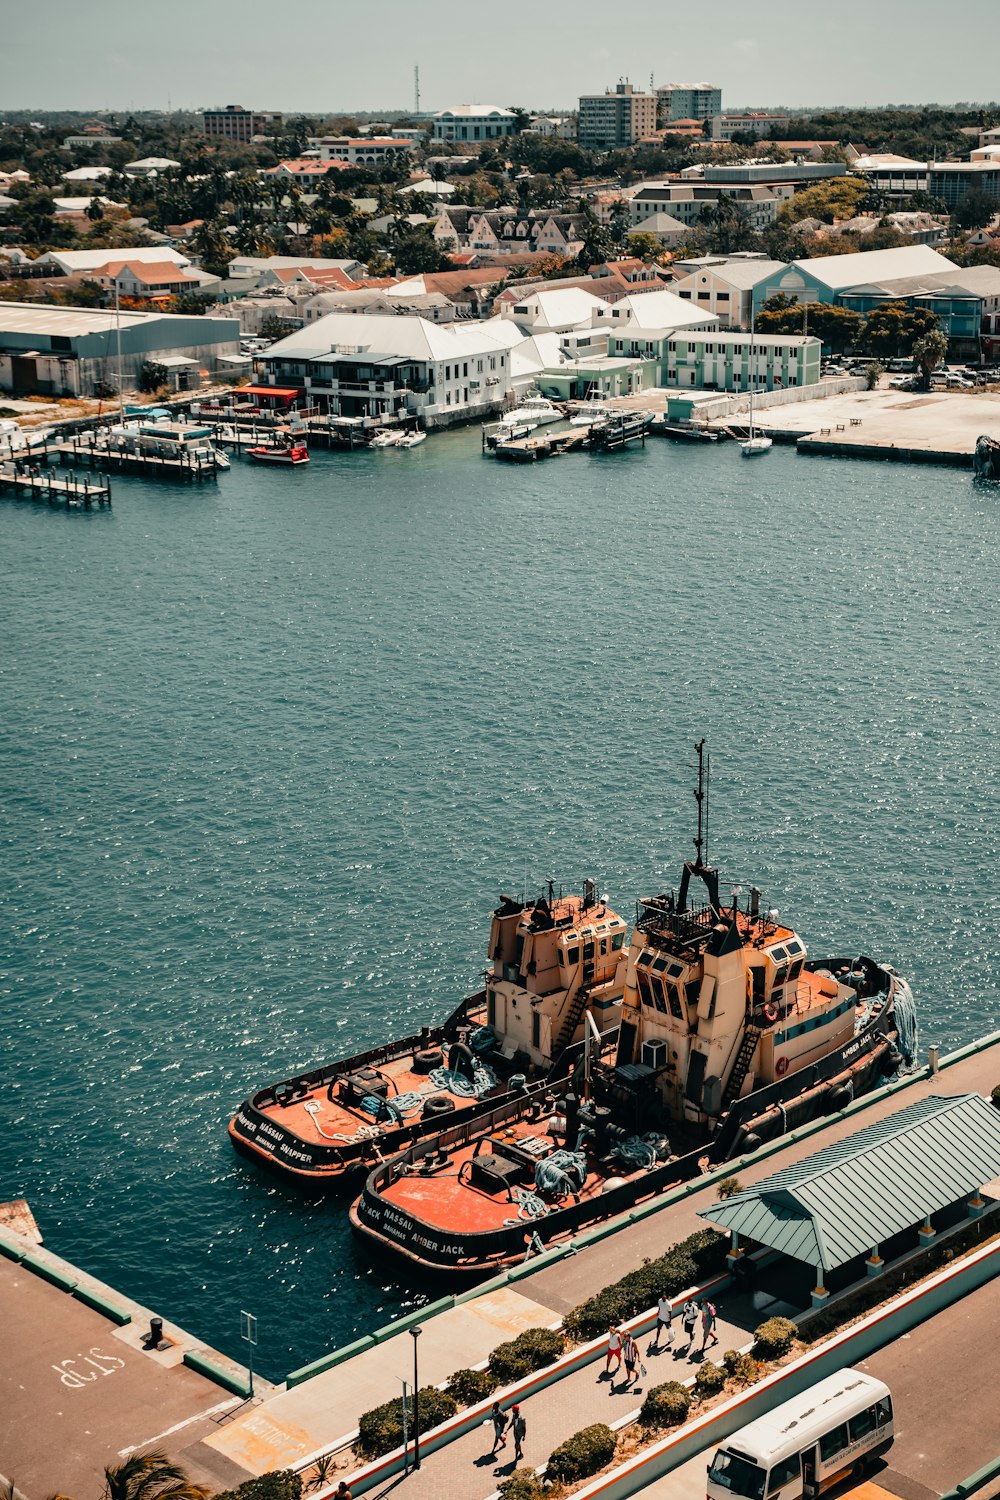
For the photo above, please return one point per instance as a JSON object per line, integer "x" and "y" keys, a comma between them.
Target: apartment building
{"x": 234, "y": 123}
{"x": 687, "y": 101}
{"x": 613, "y": 119}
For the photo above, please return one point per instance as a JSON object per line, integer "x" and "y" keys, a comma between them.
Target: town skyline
{"x": 231, "y": 56}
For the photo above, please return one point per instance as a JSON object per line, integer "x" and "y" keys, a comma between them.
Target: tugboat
{"x": 552, "y": 960}
{"x": 290, "y": 453}
{"x": 730, "y": 1035}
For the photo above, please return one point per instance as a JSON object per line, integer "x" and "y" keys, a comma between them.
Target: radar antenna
{"x": 698, "y": 866}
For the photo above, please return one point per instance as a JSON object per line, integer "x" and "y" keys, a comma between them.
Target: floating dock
{"x": 186, "y": 467}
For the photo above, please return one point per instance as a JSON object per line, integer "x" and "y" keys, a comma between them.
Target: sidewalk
{"x": 465, "y": 1469}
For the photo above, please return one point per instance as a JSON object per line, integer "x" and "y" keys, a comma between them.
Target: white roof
{"x": 741, "y": 274}
{"x": 256, "y": 265}
{"x": 474, "y": 112}
{"x": 569, "y": 307}
{"x": 408, "y": 338}
{"x": 540, "y": 352}
{"x": 86, "y": 174}
{"x": 885, "y": 159}
{"x": 840, "y": 271}
{"x": 41, "y": 317}
{"x": 153, "y": 163}
{"x": 430, "y": 185}
{"x": 80, "y": 205}
{"x": 658, "y": 312}
{"x": 825, "y": 1404}
{"x": 92, "y": 260}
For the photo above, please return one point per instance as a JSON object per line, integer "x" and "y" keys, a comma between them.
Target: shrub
{"x": 995, "y": 1097}
{"x": 381, "y": 1429}
{"x": 531, "y": 1350}
{"x": 583, "y": 1454}
{"x": 710, "y": 1379}
{"x": 470, "y": 1386}
{"x": 728, "y": 1187}
{"x": 743, "y": 1369}
{"x": 280, "y": 1484}
{"x": 685, "y": 1265}
{"x": 151, "y": 376}
{"x": 523, "y": 1484}
{"x": 773, "y": 1338}
{"x": 665, "y": 1405}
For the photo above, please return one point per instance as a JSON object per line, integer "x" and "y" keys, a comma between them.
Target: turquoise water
{"x": 269, "y": 751}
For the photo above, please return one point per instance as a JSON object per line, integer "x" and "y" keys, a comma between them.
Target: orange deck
{"x": 444, "y": 1202}
{"x": 336, "y": 1119}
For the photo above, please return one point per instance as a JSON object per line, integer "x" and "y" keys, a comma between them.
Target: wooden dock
{"x": 32, "y": 483}
{"x": 529, "y": 449}
{"x": 186, "y": 467}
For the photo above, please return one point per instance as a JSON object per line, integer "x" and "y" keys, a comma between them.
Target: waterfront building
{"x": 640, "y": 325}
{"x": 384, "y": 366}
{"x": 951, "y": 180}
{"x": 965, "y": 300}
{"x": 472, "y": 122}
{"x": 754, "y": 122}
{"x": 611, "y": 120}
{"x": 724, "y": 285}
{"x": 234, "y": 123}
{"x": 822, "y": 278}
{"x": 687, "y": 101}
{"x": 712, "y": 360}
{"x": 74, "y": 351}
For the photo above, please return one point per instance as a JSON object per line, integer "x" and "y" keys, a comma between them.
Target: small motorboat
{"x": 221, "y": 459}
{"x": 508, "y": 430}
{"x": 411, "y": 439}
{"x": 386, "y": 439}
{"x": 586, "y": 416}
{"x": 293, "y": 453}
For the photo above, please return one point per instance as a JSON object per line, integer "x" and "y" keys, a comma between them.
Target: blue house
{"x": 824, "y": 277}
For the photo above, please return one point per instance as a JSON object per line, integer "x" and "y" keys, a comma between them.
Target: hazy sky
{"x": 328, "y": 56}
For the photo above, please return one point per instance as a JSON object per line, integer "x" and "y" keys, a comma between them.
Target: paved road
{"x": 75, "y": 1390}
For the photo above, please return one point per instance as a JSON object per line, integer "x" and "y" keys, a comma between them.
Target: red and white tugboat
{"x": 730, "y": 1035}
{"x": 552, "y": 960}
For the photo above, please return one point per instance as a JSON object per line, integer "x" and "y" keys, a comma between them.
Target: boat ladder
{"x": 741, "y": 1066}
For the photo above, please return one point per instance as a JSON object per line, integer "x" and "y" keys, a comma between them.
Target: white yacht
{"x": 539, "y": 410}
{"x": 586, "y": 416}
{"x": 754, "y": 444}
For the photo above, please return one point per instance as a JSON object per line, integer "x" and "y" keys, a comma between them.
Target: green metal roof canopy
{"x": 857, "y": 1193}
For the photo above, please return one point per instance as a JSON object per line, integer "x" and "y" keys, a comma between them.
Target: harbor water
{"x": 270, "y": 750}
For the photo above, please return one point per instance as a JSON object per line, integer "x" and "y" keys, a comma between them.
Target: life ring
{"x": 781, "y": 1067}
{"x": 771, "y": 1011}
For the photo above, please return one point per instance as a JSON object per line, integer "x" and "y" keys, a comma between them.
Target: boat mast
{"x": 750, "y": 371}
{"x": 118, "y": 346}
{"x": 698, "y": 866}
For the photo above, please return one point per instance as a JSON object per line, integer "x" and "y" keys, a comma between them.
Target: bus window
{"x": 737, "y": 1475}
{"x": 783, "y": 1473}
{"x": 883, "y": 1411}
{"x": 832, "y": 1443}
{"x": 862, "y": 1424}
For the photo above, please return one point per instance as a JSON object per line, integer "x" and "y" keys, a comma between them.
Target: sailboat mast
{"x": 118, "y": 348}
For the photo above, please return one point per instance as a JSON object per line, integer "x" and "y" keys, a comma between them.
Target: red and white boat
{"x": 292, "y": 453}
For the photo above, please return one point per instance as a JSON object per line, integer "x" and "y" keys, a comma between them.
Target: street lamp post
{"x": 416, "y": 1332}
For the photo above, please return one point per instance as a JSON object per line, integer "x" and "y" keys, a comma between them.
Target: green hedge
{"x": 280, "y": 1484}
{"x": 470, "y": 1386}
{"x": 774, "y": 1338}
{"x": 523, "y": 1484}
{"x": 694, "y": 1260}
{"x": 531, "y": 1350}
{"x": 710, "y": 1379}
{"x": 665, "y": 1405}
{"x": 381, "y": 1429}
{"x": 583, "y": 1454}
{"x": 741, "y": 1368}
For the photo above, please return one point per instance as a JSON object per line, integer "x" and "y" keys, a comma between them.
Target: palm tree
{"x": 147, "y": 1476}
{"x": 150, "y": 1476}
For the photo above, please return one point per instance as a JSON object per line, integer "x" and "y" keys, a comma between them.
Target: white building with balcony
{"x": 386, "y": 366}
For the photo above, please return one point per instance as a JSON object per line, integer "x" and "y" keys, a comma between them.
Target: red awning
{"x": 266, "y": 390}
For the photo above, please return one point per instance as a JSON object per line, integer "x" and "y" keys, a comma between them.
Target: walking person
{"x": 519, "y": 1428}
{"x": 708, "y": 1333}
{"x": 614, "y": 1349}
{"x": 689, "y": 1317}
{"x": 499, "y": 1420}
{"x": 630, "y": 1354}
{"x": 664, "y": 1320}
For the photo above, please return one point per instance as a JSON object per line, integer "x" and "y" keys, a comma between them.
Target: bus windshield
{"x": 738, "y": 1475}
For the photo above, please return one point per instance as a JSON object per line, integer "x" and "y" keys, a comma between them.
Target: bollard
{"x": 933, "y": 1054}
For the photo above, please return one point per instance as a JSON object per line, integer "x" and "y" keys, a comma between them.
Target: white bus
{"x": 805, "y": 1445}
